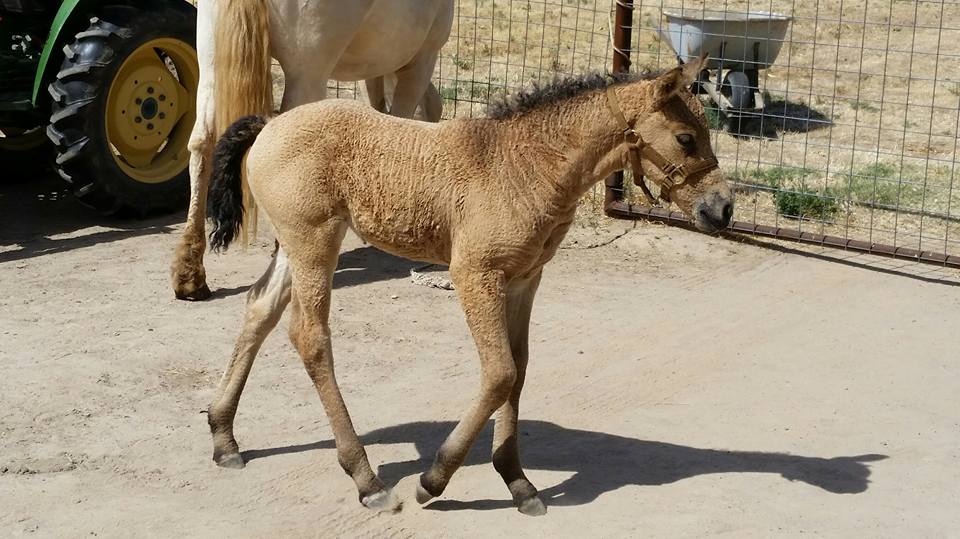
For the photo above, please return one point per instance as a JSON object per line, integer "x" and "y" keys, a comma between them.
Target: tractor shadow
{"x": 600, "y": 462}
{"x": 39, "y": 216}
{"x": 34, "y": 210}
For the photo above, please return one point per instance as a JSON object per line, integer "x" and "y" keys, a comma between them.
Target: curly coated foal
{"x": 492, "y": 197}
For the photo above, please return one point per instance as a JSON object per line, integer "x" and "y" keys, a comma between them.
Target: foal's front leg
{"x": 483, "y": 296}
{"x": 506, "y": 453}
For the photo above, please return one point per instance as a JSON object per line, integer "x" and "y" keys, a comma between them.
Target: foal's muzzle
{"x": 714, "y": 210}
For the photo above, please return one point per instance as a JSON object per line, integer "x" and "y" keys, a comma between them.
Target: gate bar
{"x": 624, "y": 210}
{"x": 622, "y": 33}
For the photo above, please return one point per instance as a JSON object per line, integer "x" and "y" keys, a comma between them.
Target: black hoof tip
{"x": 199, "y": 294}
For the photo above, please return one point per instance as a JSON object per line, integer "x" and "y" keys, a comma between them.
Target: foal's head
{"x": 671, "y": 120}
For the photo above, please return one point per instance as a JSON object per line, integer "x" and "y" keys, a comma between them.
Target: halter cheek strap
{"x": 674, "y": 175}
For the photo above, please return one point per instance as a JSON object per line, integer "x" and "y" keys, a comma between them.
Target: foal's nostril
{"x": 727, "y": 213}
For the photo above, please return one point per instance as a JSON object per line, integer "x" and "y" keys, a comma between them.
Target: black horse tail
{"x": 226, "y": 186}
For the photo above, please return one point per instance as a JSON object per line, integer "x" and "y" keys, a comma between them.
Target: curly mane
{"x": 559, "y": 89}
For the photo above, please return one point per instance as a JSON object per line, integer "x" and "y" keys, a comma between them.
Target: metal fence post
{"x": 622, "y": 33}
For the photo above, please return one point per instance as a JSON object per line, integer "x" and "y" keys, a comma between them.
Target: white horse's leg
{"x": 186, "y": 273}
{"x": 431, "y": 104}
{"x": 375, "y": 94}
{"x": 309, "y": 44}
{"x": 412, "y": 84}
{"x": 300, "y": 90}
{"x": 266, "y": 300}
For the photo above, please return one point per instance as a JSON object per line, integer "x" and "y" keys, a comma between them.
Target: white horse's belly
{"x": 388, "y": 39}
{"x": 374, "y": 37}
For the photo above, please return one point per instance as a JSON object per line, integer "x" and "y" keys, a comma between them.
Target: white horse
{"x": 314, "y": 41}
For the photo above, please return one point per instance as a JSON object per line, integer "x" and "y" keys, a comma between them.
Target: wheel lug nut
{"x": 150, "y": 127}
{"x": 162, "y": 115}
{"x": 149, "y": 89}
{"x": 138, "y": 101}
{"x": 138, "y": 119}
{"x": 163, "y": 97}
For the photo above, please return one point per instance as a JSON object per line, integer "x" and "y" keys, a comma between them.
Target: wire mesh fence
{"x": 845, "y": 123}
{"x": 496, "y": 46}
{"x": 853, "y": 129}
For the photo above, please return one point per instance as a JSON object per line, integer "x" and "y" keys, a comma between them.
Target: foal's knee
{"x": 309, "y": 339}
{"x": 294, "y": 333}
{"x": 499, "y": 383}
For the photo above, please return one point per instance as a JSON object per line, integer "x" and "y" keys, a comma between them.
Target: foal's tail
{"x": 226, "y": 185}
{"x": 243, "y": 84}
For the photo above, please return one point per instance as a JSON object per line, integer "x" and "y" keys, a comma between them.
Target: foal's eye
{"x": 685, "y": 140}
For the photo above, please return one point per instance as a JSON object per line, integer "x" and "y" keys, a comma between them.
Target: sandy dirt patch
{"x": 680, "y": 385}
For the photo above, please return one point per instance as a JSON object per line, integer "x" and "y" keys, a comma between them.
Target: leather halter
{"x": 674, "y": 175}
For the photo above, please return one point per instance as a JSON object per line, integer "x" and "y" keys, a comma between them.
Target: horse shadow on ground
{"x": 362, "y": 265}
{"x": 777, "y": 116}
{"x": 34, "y": 209}
{"x": 368, "y": 264}
{"x": 600, "y": 462}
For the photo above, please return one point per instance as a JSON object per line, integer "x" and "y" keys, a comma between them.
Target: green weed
{"x": 791, "y": 195}
{"x": 714, "y": 117}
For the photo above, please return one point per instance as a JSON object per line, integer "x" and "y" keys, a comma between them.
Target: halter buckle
{"x": 675, "y": 173}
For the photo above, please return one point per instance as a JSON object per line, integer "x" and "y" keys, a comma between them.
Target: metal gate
{"x": 856, "y": 144}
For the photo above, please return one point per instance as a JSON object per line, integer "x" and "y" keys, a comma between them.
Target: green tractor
{"x": 112, "y": 84}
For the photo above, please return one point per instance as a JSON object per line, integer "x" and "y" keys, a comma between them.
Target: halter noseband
{"x": 674, "y": 175}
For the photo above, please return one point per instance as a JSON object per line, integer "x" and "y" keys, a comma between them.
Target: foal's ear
{"x": 670, "y": 83}
{"x": 692, "y": 69}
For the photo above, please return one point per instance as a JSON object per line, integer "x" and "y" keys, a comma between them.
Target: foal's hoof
{"x": 384, "y": 501}
{"x": 422, "y": 495}
{"x": 232, "y": 460}
{"x": 196, "y": 294}
{"x": 533, "y": 507}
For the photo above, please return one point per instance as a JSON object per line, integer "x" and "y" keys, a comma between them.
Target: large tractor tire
{"x": 124, "y": 106}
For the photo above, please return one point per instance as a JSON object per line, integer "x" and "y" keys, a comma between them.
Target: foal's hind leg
{"x": 506, "y": 454}
{"x": 483, "y": 296}
{"x": 265, "y": 303}
{"x": 313, "y": 267}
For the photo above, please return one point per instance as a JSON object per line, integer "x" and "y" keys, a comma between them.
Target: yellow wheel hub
{"x": 151, "y": 108}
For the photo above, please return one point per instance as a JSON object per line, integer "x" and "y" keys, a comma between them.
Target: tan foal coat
{"x": 491, "y": 197}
